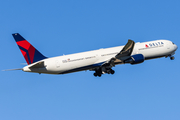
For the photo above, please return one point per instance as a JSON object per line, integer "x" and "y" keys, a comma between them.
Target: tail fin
{"x": 30, "y": 53}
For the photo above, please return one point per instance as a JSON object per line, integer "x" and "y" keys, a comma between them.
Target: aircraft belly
{"x": 77, "y": 66}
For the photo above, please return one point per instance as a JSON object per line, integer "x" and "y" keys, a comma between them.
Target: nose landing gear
{"x": 172, "y": 57}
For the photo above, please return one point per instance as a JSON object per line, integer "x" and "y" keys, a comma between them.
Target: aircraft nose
{"x": 175, "y": 47}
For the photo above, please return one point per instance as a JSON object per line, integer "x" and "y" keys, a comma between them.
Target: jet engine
{"x": 135, "y": 59}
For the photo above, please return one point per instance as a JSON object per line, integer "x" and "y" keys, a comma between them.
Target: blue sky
{"x": 148, "y": 91}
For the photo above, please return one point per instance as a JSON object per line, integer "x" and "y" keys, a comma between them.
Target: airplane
{"x": 101, "y": 61}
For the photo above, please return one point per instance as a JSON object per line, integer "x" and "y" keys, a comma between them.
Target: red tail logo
{"x": 30, "y": 54}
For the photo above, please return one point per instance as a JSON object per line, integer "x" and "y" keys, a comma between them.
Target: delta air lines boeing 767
{"x": 101, "y": 61}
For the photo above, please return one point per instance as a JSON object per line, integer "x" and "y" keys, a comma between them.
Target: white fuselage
{"x": 92, "y": 59}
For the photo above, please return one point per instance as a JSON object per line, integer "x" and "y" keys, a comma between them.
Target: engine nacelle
{"x": 135, "y": 59}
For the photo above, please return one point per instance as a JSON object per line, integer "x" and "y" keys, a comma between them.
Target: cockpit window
{"x": 172, "y": 43}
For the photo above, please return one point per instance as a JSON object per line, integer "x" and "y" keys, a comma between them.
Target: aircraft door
{"x": 57, "y": 64}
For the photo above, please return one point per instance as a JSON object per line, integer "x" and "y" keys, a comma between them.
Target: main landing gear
{"x": 110, "y": 71}
{"x": 100, "y": 72}
{"x": 97, "y": 74}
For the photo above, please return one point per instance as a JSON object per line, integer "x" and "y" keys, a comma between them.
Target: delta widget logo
{"x": 155, "y": 44}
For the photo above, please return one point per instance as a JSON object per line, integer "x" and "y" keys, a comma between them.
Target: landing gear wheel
{"x": 172, "y": 57}
{"x": 95, "y": 74}
{"x": 99, "y": 75}
{"x": 109, "y": 72}
{"x": 112, "y": 72}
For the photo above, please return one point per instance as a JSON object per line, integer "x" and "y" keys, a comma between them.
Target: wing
{"x": 123, "y": 55}
{"x": 126, "y": 51}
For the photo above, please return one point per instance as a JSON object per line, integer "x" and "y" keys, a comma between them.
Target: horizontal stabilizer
{"x": 30, "y": 53}
{"x": 13, "y": 69}
{"x": 38, "y": 65}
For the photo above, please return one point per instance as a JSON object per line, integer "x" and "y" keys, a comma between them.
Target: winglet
{"x": 30, "y": 53}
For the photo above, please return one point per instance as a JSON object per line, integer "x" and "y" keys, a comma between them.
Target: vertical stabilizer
{"x": 30, "y": 53}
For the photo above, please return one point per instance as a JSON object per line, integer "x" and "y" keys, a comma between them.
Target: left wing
{"x": 126, "y": 51}
{"x": 123, "y": 55}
